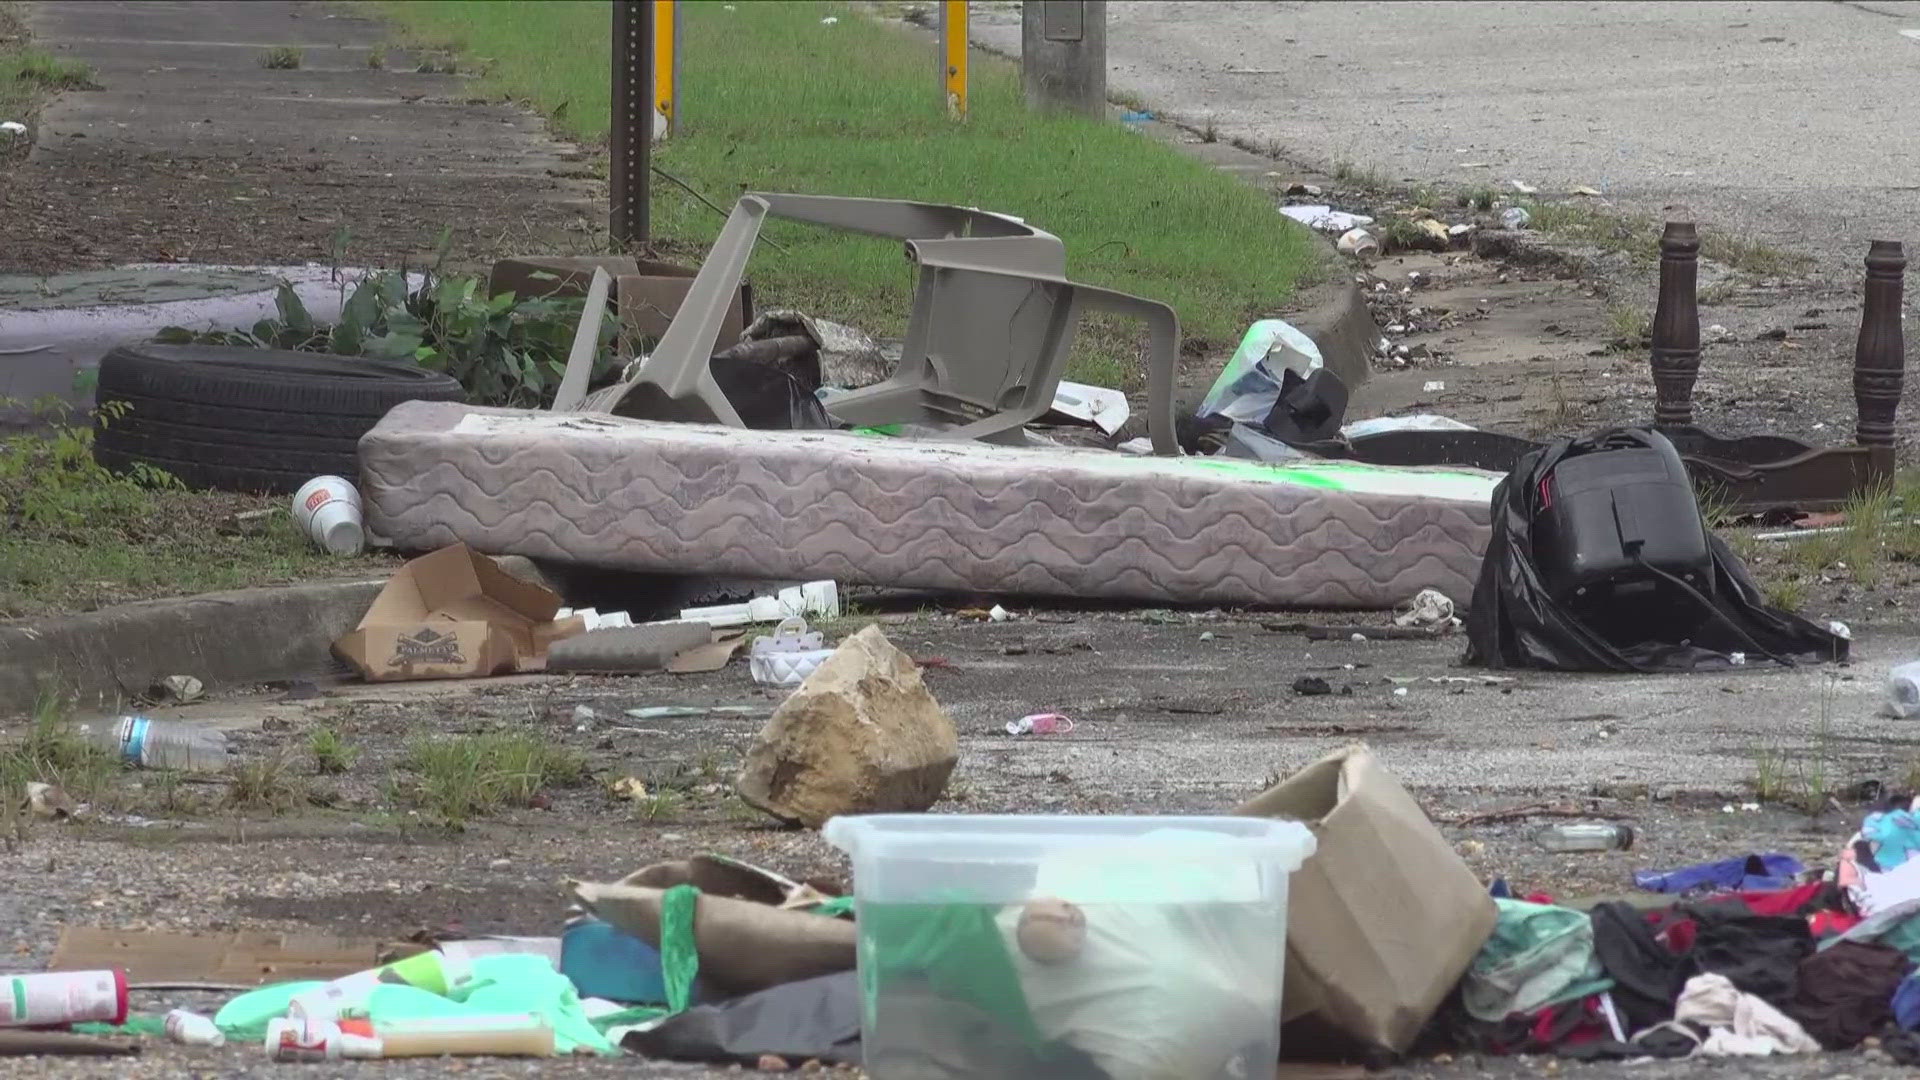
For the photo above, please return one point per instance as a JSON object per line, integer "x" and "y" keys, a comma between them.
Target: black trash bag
{"x": 817, "y": 1019}
{"x": 1515, "y": 621}
{"x": 1309, "y": 410}
{"x": 768, "y": 397}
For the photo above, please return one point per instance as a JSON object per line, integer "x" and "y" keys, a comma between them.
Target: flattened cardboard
{"x": 554, "y": 275}
{"x": 1384, "y": 917}
{"x": 243, "y": 958}
{"x": 455, "y": 614}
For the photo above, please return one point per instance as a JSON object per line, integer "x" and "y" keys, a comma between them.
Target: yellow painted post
{"x": 666, "y": 69}
{"x": 953, "y": 55}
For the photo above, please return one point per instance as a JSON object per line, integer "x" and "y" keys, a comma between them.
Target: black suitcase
{"x": 1606, "y": 517}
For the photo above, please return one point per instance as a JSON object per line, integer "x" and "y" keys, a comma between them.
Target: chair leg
{"x": 1880, "y": 356}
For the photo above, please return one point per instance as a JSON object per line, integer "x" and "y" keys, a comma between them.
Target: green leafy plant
{"x": 331, "y": 754}
{"x": 49, "y": 479}
{"x": 280, "y": 58}
{"x": 504, "y": 349}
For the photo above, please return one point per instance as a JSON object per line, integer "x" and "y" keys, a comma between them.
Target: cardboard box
{"x": 1384, "y": 917}
{"x": 455, "y": 614}
{"x": 649, "y": 296}
{"x": 243, "y": 957}
{"x": 645, "y": 292}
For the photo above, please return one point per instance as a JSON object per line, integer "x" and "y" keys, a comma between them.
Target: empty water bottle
{"x": 1585, "y": 837}
{"x": 167, "y": 744}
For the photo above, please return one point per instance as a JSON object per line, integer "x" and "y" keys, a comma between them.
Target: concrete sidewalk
{"x": 191, "y": 150}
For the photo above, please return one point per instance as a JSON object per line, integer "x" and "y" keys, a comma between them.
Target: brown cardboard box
{"x": 649, "y": 296}
{"x": 245, "y": 957}
{"x": 646, "y": 293}
{"x": 1384, "y": 917}
{"x": 455, "y": 614}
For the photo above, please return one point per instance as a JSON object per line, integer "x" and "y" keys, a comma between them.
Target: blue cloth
{"x": 1894, "y": 834}
{"x": 1500, "y": 890}
{"x": 1906, "y": 1003}
{"x": 1749, "y": 873}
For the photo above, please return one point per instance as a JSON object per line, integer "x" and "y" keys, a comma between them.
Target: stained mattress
{"x": 966, "y": 517}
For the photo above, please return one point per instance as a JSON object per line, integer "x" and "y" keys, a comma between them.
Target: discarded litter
{"x": 1040, "y": 724}
{"x": 63, "y": 997}
{"x": 1249, "y": 386}
{"x": 328, "y": 510}
{"x": 996, "y": 613}
{"x": 163, "y": 744}
{"x": 1581, "y": 836}
{"x": 1325, "y": 218}
{"x": 1430, "y": 608}
{"x": 13, "y": 127}
{"x": 1516, "y": 217}
{"x": 687, "y": 712}
{"x": 1433, "y": 386}
{"x": 192, "y": 1029}
{"x": 1103, "y": 408}
{"x": 47, "y": 801}
{"x": 593, "y": 619}
{"x": 1903, "y": 691}
{"x": 788, "y": 655}
{"x": 815, "y": 599}
{"x": 1359, "y": 243}
{"x": 455, "y": 614}
{"x": 1312, "y": 686}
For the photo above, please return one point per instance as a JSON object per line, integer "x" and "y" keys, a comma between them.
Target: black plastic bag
{"x": 1514, "y": 622}
{"x": 817, "y": 1019}
{"x": 767, "y": 397}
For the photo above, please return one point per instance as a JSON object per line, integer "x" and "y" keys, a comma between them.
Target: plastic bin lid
{"x": 964, "y": 837}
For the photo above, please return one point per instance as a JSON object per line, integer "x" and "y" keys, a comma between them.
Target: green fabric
{"x": 836, "y": 907}
{"x": 679, "y": 951}
{"x": 639, "y": 1014}
{"x": 1539, "y": 955}
{"x": 524, "y": 983}
{"x": 955, "y": 949}
{"x": 137, "y": 1024}
{"x": 246, "y": 1016}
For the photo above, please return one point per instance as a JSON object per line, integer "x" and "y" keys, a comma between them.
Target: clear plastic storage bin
{"x": 1061, "y": 947}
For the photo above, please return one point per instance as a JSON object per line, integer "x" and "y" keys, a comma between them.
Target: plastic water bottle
{"x": 1585, "y": 837}
{"x": 168, "y": 744}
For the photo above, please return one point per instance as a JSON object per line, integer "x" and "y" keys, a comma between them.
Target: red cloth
{"x": 1832, "y": 923}
{"x": 1795, "y": 901}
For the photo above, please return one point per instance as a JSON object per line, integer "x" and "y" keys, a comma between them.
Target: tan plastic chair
{"x": 992, "y": 324}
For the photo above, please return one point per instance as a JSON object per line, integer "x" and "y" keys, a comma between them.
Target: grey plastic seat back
{"x": 987, "y": 342}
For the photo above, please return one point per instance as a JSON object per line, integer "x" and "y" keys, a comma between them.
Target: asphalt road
{"x": 1788, "y": 122}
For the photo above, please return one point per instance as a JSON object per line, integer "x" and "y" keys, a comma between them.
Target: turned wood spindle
{"x": 1880, "y": 357}
{"x": 1676, "y": 326}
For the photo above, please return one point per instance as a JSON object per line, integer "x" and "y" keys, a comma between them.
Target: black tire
{"x": 241, "y": 419}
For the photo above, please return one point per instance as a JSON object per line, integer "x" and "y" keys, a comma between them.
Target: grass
{"x": 1639, "y": 236}
{"x": 331, "y": 754}
{"x": 475, "y": 775}
{"x": 266, "y": 783}
{"x": 281, "y": 58}
{"x": 849, "y": 109}
{"x": 28, "y": 75}
{"x": 1630, "y": 327}
{"x": 1806, "y": 781}
{"x": 74, "y": 537}
{"x": 53, "y": 751}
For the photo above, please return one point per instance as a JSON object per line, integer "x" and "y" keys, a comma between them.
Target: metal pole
{"x": 953, "y": 56}
{"x": 1063, "y": 55}
{"x": 632, "y": 132}
{"x": 666, "y": 62}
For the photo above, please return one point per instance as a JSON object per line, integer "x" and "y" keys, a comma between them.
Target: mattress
{"x": 864, "y": 509}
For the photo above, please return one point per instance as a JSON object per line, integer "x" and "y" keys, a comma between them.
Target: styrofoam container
{"x": 1182, "y": 928}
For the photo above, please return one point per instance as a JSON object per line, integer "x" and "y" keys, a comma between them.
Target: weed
{"x": 266, "y": 783}
{"x": 660, "y": 807}
{"x": 331, "y": 754}
{"x": 1769, "y": 776}
{"x": 465, "y": 777}
{"x": 1403, "y": 234}
{"x": 710, "y": 765}
{"x": 1208, "y": 132}
{"x": 438, "y": 64}
{"x": 1128, "y": 100}
{"x": 51, "y": 480}
{"x": 54, "y": 752}
{"x": 1787, "y": 591}
{"x": 1876, "y": 531}
{"x": 50, "y": 72}
{"x": 1719, "y": 292}
{"x": 377, "y": 59}
{"x": 1630, "y": 327}
{"x": 1481, "y": 199}
{"x": 281, "y": 58}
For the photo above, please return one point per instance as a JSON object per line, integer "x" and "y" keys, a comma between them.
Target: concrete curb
{"x": 239, "y": 638}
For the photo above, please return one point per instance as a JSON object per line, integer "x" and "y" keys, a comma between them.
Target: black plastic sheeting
{"x": 813, "y": 1019}
{"x": 1515, "y": 623}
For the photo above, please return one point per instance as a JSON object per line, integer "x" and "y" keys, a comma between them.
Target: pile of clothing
{"x": 1750, "y": 956}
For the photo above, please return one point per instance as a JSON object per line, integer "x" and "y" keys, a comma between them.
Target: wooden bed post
{"x": 1676, "y": 326}
{"x": 1880, "y": 357}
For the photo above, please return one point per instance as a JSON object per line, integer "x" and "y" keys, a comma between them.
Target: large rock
{"x": 862, "y": 735}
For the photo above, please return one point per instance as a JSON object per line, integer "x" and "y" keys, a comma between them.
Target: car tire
{"x": 239, "y": 419}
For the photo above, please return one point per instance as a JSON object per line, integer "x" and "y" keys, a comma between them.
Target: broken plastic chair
{"x": 992, "y": 325}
